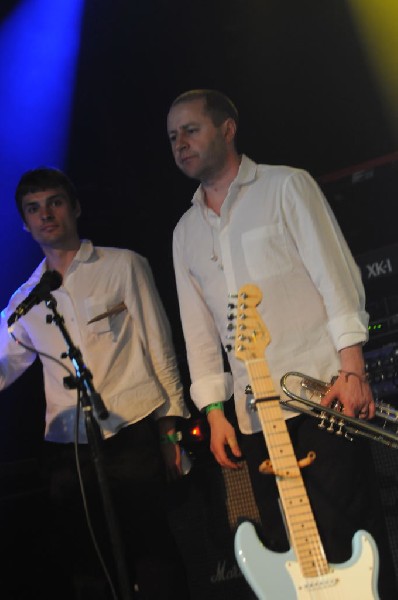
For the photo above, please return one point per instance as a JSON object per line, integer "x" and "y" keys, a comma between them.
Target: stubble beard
{"x": 213, "y": 163}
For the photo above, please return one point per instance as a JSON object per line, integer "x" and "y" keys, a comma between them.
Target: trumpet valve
{"x": 340, "y": 429}
{"x": 332, "y": 421}
{"x": 322, "y": 416}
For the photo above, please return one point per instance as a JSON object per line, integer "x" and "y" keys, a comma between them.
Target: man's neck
{"x": 59, "y": 259}
{"x": 216, "y": 190}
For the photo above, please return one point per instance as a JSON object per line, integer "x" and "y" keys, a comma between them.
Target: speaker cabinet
{"x": 205, "y": 509}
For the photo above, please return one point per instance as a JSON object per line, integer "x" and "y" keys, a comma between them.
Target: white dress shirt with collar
{"x": 276, "y": 231}
{"x": 129, "y": 350}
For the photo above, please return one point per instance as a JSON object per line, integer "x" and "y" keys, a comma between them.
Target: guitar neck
{"x": 301, "y": 524}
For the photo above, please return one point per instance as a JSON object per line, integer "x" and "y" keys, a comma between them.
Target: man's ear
{"x": 229, "y": 130}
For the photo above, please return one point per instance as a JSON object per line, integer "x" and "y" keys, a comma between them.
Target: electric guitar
{"x": 303, "y": 572}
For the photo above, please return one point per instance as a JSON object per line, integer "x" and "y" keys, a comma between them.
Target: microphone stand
{"x": 90, "y": 400}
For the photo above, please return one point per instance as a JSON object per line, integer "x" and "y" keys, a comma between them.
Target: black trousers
{"x": 134, "y": 472}
{"x": 342, "y": 487}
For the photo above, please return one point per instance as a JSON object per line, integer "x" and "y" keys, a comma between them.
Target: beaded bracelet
{"x": 171, "y": 438}
{"x": 362, "y": 378}
{"x": 210, "y": 407}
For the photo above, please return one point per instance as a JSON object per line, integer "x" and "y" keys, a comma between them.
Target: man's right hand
{"x": 222, "y": 435}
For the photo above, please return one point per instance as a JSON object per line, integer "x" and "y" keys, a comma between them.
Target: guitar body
{"x": 277, "y": 576}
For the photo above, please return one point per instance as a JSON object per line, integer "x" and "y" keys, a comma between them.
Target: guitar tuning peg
{"x": 252, "y": 405}
{"x": 231, "y": 306}
{"x": 232, "y": 295}
{"x": 230, "y": 326}
{"x": 231, "y": 317}
{"x": 228, "y": 348}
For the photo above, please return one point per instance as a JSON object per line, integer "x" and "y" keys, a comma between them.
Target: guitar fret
{"x": 295, "y": 496}
{"x": 304, "y": 536}
{"x": 299, "y": 516}
{"x": 303, "y": 547}
{"x": 310, "y": 566}
{"x": 292, "y": 488}
{"x": 310, "y": 556}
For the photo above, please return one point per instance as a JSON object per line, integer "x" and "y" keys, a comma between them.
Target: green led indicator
{"x": 375, "y": 327}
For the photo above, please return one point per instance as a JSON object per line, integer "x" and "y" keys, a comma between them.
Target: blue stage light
{"x": 39, "y": 48}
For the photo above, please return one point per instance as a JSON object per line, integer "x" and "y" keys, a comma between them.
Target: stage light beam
{"x": 39, "y": 48}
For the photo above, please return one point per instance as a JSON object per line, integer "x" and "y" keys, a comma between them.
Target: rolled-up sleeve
{"x": 328, "y": 259}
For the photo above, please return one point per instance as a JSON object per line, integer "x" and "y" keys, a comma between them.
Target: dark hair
{"x": 41, "y": 179}
{"x": 216, "y": 104}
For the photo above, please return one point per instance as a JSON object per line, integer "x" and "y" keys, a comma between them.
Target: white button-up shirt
{"x": 276, "y": 231}
{"x": 128, "y": 350}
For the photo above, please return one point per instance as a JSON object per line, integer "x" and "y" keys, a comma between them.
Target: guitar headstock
{"x": 252, "y": 336}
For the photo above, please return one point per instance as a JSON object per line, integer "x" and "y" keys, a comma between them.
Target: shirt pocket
{"x": 100, "y": 309}
{"x": 265, "y": 251}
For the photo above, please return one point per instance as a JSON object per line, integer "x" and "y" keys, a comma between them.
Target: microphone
{"x": 51, "y": 280}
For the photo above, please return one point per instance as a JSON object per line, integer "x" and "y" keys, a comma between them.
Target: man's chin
{"x": 189, "y": 172}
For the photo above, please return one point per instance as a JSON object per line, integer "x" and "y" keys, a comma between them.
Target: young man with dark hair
{"x": 113, "y": 313}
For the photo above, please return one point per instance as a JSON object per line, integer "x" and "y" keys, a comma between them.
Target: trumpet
{"x": 302, "y": 390}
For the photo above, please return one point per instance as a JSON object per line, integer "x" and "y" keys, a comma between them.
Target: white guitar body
{"x": 277, "y": 576}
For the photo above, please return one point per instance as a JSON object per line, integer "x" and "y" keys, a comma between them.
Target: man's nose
{"x": 46, "y": 214}
{"x": 181, "y": 141}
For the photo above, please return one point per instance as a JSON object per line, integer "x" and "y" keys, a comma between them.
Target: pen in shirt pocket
{"x": 115, "y": 310}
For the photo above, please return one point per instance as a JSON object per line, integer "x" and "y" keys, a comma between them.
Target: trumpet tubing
{"x": 302, "y": 389}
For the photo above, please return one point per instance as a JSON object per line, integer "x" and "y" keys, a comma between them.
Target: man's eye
{"x": 55, "y": 202}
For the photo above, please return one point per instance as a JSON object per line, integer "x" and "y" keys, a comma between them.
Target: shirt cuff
{"x": 177, "y": 408}
{"x": 349, "y": 330}
{"x": 210, "y": 389}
